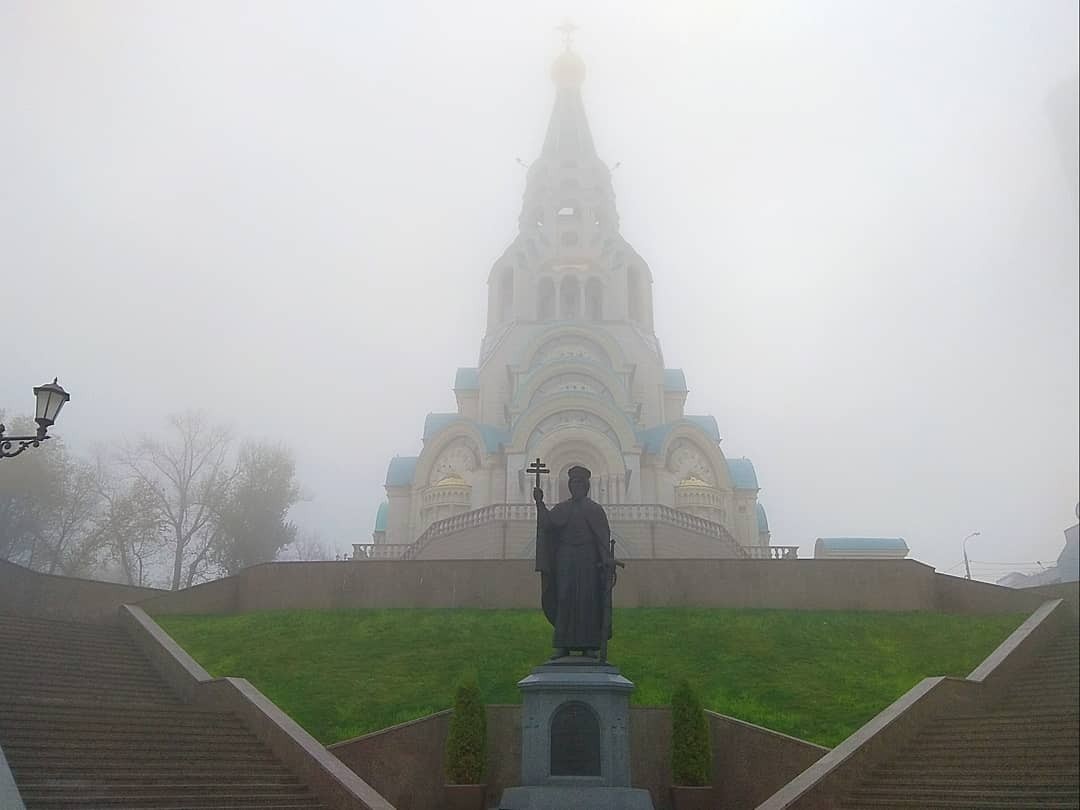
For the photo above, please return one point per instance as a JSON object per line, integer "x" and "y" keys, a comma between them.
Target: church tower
{"x": 571, "y": 372}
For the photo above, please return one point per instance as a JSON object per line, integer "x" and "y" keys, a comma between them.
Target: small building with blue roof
{"x": 860, "y": 548}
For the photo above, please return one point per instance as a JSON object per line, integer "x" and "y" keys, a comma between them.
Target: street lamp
{"x": 50, "y": 399}
{"x": 966, "y": 566}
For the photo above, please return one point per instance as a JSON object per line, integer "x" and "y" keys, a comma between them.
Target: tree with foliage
{"x": 466, "y": 742}
{"x": 252, "y": 525}
{"x": 691, "y": 753}
{"x": 49, "y": 502}
{"x": 189, "y": 476}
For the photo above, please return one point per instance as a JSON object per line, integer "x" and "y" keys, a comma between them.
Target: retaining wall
{"x": 894, "y": 585}
{"x": 48, "y": 596}
{"x": 405, "y": 762}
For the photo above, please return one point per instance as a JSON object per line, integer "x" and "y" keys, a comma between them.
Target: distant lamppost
{"x": 50, "y": 399}
{"x": 966, "y": 566}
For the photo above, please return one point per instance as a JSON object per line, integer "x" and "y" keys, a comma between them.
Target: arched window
{"x": 594, "y": 300}
{"x": 569, "y": 211}
{"x": 633, "y": 294}
{"x": 569, "y": 299}
{"x": 545, "y": 300}
{"x": 506, "y": 292}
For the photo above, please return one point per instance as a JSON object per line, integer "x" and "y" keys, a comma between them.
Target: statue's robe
{"x": 572, "y": 547}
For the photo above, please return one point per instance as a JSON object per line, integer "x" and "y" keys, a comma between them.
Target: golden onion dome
{"x": 693, "y": 481}
{"x": 453, "y": 480}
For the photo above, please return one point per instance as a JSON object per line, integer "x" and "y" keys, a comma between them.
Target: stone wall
{"x": 795, "y": 584}
{"x": 750, "y": 763}
{"x": 405, "y": 762}
{"x": 46, "y": 596}
{"x": 959, "y": 595}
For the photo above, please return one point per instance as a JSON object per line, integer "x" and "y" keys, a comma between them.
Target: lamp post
{"x": 50, "y": 399}
{"x": 967, "y": 567}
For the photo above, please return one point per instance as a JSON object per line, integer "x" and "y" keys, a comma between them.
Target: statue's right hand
{"x": 538, "y": 495}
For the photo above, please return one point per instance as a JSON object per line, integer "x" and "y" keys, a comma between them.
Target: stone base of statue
{"x": 575, "y": 740}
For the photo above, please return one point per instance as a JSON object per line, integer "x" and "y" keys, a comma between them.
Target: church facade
{"x": 570, "y": 372}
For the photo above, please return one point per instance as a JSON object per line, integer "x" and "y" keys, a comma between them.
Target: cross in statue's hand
{"x": 538, "y": 468}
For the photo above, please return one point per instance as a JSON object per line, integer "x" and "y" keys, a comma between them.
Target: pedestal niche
{"x": 575, "y": 740}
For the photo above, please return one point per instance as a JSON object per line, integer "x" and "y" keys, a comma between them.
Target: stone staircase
{"x": 86, "y": 722}
{"x": 1022, "y": 752}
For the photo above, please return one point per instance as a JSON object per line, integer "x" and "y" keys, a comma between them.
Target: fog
{"x": 861, "y": 219}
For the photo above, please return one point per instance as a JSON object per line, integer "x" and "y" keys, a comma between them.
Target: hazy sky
{"x": 861, "y": 218}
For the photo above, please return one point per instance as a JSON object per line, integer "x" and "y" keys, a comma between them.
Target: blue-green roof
{"x": 862, "y": 543}
{"x": 742, "y": 473}
{"x": 401, "y": 471}
{"x": 467, "y": 379}
{"x": 652, "y": 439}
{"x": 494, "y": 437}
{"x": 380, "y": 516}
{"x": 762, "y": 520}
{"x": 674, "y": 379}
{"x": 436, "y": 422}
{"x": 708, "y": 424}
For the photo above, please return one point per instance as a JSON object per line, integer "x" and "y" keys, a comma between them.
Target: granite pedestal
{"x": 575, "y": 740}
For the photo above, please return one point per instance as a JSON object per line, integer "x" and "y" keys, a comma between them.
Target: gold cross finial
{"x": 567, "y": 29}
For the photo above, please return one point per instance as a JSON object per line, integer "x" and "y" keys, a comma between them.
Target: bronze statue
{"x": 575, "y": 558}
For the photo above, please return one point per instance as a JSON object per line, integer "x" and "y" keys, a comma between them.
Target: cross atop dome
{"x": 567, "y": 29}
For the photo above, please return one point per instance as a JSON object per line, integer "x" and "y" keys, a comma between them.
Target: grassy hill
{"x": 815, "y": 675}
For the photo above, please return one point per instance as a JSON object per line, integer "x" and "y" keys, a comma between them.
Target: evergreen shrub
{"x": 466, "y": 742}
{"x": 691, "y": 753}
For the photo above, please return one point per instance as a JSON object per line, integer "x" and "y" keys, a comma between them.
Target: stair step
{"x": 1038, "y": 774}
{"x": 127, "y": 677}
{"x": 112, "y": 787}
{"x": 162, "y": 771}
{"x": 187, "y": 803}
{"x": 1025, "y": 793}
{"x": 1004, "y": 713}
{"x": 59, "y": 733}
{"x": 228, "y": 796}
{"x": 1031, "y": 747}
{"x": 163, "y": 744}
{"x": 985, "y": 803}
{"x": 37, "y": 758}
{"x": 907, "y": 779}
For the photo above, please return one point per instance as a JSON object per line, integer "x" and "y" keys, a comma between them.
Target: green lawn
{"x": 815, "y": 675}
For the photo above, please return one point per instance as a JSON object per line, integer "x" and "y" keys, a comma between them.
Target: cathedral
{"x": 570, "y": 372}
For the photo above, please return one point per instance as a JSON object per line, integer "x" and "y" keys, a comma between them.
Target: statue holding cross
{"x": 576, "y": 560}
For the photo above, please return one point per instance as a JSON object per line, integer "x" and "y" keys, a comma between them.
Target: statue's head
{"x": 579, "y": 482}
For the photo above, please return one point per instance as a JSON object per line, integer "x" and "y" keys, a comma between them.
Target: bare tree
{"x": 188, "y": 475}
{"x": 70, "y": 541}
{"x": 307, "y": 546}
{"x": 131, "y": 524}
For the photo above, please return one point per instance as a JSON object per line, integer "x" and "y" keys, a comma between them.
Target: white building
{"x": 571, "y": 372}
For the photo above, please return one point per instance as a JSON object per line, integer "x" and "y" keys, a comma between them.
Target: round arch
{"x": 608, "y": 384}
{"x": 564, "y": 410}
{"x": 462, "y": 431}
{"x": 609, "y": 349}
{"x": 689, "y": 435}
{"x": 571, "y": 446}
